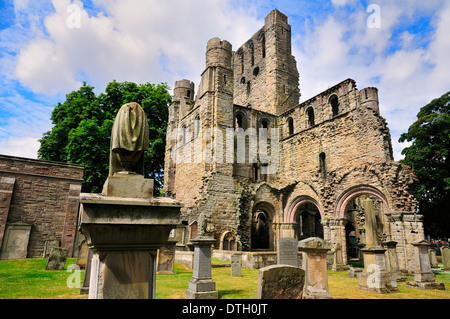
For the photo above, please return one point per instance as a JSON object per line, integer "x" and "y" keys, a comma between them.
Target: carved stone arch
{"x": 262, "y": 232}
{"x": 298, "y": 202}
{"x": 356, "y": 191}
{"x": 228, "y": 244}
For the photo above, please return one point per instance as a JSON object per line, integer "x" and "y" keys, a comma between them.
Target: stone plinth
{"x": 423, "y": 276}
{"x": 315, "y": 265}
{"x": 124, "y": 235}
{"x": 375, "y": 277}
{"x": 201, "y": 285}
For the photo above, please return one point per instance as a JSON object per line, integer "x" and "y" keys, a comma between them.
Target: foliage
{"x": 429, "y": 157}
{"x": 82, "y": 129}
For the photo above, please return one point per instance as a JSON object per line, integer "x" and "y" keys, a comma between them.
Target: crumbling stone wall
{"x": 44, "y": 194}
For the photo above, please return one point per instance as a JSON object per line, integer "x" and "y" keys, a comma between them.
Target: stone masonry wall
{"x": 44, "y": 194}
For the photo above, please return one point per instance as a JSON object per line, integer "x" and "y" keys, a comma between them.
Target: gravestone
{"x": 445, "y": 253}
{"x": 287, "y": 251}
{"x": 353, "y": 272}
{"x": 314, "y": 263}
{"x": 201, "y": 285}
{"x": 15, "y": 240}
{"x": 433, "y": 258}
{"x": 48, "y": 247}
{"x": 125, "y": 225}
{"x": 166, "y": 258}
{"x": 236, "y": 264}
{"x": 83, "y": 252}
{"x": 338, "y": 262}
{"x": 423, "y": 276}
{"x": 57, "y": 259}
{"x": 280, "y": 282}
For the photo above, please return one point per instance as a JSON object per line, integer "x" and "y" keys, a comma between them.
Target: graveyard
{"x": 28, "y": 279}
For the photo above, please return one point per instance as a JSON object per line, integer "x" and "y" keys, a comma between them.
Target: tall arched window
{"x": 322, "y": 165}
{"x": 239, "y": 121}
{"x": 197, "y": 125}
{"x": 291, "y": 125}
{"x": 310, "y": 114}
{"x": 334, "y": 102}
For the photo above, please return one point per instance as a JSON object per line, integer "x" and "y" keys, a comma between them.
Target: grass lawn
{"x": 28, "y": 279}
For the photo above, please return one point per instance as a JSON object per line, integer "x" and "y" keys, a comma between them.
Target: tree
{"x": 82, "y": 129}
{"x": 429, "y": 157}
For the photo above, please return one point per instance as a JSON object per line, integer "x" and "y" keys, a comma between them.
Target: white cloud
{"x": 21, "y": 146}
{"x": 128, "y": 43}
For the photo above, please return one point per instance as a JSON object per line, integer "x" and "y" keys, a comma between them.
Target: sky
{"x": 49, "y": 48}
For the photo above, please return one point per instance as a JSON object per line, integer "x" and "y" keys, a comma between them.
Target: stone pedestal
{"x": 423, "y": 276}
{"x": 124, "y": 235}
{"x": 315, "y": 265}
{"x": 375, "y": 277}
{"x": 392, "y": 264}
{"x": 201, "y": 285}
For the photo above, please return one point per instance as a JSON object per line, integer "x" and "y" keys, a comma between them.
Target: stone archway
{"x": 351, "y": 231}
{"x": 305, "y": 213}
{"x": 261, "y": 230}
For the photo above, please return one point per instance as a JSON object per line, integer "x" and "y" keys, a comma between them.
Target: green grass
{"x": 28, "y": 279}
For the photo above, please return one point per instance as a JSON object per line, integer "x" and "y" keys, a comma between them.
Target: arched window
{"x": 291, "y": 125}
{"x": 197, "y": 125}
{"x": 238, "y": 121}
{"x": 334, "y": 102}
{"x": 262, "y": 39}
{"x": 310, "y": 113}
{"x": 229, "y": 242}
{"x": 322, "y": 165}
{"x": 184, "y": 132}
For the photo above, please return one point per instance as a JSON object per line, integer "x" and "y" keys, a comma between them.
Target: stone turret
{"x": 369, "y": 98}
{"x": 218, "y": 53}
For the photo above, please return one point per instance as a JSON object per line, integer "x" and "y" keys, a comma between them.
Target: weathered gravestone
{"x": 125, "y": 225}
{"x": 314, "y": 263}
{"x": 280, "y": 282}
{"x": 57, "y": 259}
{"x": 433, "y": 258}
{"x": 15, "y": 240}
{"x": 236, "y": 265}
{"x": 445, "y": 253}
{"x": 423, "y": 276}
{"x": 353, "y": 272}
{"x": 166, "y": 258}
{"x": 287, "y": 251}
{"x": 48, "y": 247}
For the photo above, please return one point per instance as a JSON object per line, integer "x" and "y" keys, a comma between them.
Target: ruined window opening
{"x": 262, "y": 39}
{"x": 365, "y": 92}
{"x": 252, "y": 52}
{"x": 243, "y": 80}
{"x": 334, "y": 105}
{"x": 265, "y": 124}
{"x": 240, "y": 53}
{"x": 197, "y": 125}
{"x": 256, "y": 71}
{"x": 308, "y": 221}
{"x": 310, "y": 113}
{"x": 239, "y": 121}
{"x": 184, "y": 131}
{"x": 225, "y": 79}
{"x": 322, "y": 165}
{"x": 255, "y": 172}
{"x": 248, "y": 88}
{"x": 291, "y": 125}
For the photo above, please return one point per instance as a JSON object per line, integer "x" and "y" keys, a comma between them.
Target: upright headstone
{"x": 423, "y": 276}
{"x": 445, "y": 253}
{"x": 201, "y": 285}
{"x": 57, "y": 259}
{"x": 166, "y": 258}
{"x": 280, "y": 282}
{"x": 287, "y": 251}
{"x": 15, "y": 240}
{"x": 236, "y": 264}
{"x": 338, "y": 262}
{"x": 433, "y": 258}
{"x": 48, "y": 247}
{"x": 315, "y": 265}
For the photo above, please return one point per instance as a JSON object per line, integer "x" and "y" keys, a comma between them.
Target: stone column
{"x": 201, "y": 285}
{"x": 423, "y": 276}
{"x": 315, "y": 266}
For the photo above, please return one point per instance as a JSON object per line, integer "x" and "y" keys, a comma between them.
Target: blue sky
{"x": 48, "y": 48}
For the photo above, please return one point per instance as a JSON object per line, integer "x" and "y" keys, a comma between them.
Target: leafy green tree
{"x": 429, "y": 157}
{"x": 82, "y": 129}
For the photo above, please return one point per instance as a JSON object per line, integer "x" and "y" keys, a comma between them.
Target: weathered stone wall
{"x": 45, "y": 194}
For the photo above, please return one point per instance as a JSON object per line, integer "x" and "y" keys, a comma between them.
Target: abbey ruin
{"x": 262, "y": 166}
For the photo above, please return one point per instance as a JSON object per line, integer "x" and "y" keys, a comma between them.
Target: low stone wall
{"x": 252, "y": 259}
{"x": 185, "y": 258}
